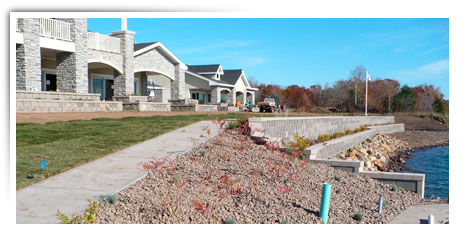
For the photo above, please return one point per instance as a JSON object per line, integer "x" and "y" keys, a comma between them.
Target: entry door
{"x": 97, "y": 86}
{"x": 108, "y": 90}
{"x": 50, "y": 82}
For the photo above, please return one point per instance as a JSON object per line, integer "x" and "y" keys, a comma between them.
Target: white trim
{"x": 55, "y": 44}
{"x": 19, "y": 38}
{"x": 100, "y": 60}
{"x": 207, "y": 72}
{"x": 211, "y": 81}
{"x": 153, "y": 70}
{"x": 44, "y": 72}
{"x": 170, "y": 54}
{"x": 252, "y": 89}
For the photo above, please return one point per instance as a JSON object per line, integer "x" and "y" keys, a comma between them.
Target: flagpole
{"x": 367, "y": 74}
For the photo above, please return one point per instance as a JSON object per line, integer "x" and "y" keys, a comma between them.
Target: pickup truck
{"x": 270, "y": 104}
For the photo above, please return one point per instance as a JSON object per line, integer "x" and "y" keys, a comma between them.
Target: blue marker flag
{"x": 43, "y": 164}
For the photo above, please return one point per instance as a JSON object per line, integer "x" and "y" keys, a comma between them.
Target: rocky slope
{"x": 230, "y": 179}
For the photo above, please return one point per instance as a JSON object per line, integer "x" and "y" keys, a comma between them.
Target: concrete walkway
{"x": 419, "y": 214}
{"x": 70, "y": 190}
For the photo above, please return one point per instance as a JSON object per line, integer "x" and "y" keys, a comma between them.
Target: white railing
{"x": 103, "y": 42}
{"x": 55, "y": 29}
{"x": 17, "y": 25}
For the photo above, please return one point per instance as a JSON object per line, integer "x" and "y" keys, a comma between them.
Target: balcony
{"x": 55, "y": 29}
{"x": 103, "y": 42}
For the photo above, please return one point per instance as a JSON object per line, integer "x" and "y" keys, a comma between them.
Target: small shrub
{"x": 323, "y": 137}
{"x": 87, "y": 216}
{"x": 353, "y": 174}
{"x": 111, "y": 199}
{"x": 229, "y": 220}
{"x": 337, "y": 191}
{"x": 364, "y": 128}
{"x": 337, "y": 178}
{"x": 394, "y": 187}
{"x": 357, "y": 130}
{"x": 357, "y": 217}
{"x": 349, "y": 131}
{"x": 202, "y": 152}
{"x": 232, "y": 125}
{"x": 286, "y": 221}
{"x": 338, "y": 134}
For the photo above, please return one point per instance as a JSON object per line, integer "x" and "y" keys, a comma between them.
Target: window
{"x": 217, "y": 76}
{"x": 208, "y": 98}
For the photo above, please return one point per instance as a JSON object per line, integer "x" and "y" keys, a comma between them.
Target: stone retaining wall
{"x": 33, "y": 105}
{"x": 312, "y": 127}
{"x": 341, "y": 144}
{"x": 60, "y": 96}
{"x": 126, "y": 99}
{"x": 147, "y": 106}
{"x": 206, "y": 108}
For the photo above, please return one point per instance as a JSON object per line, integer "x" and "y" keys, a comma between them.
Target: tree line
{"x": 384, "y": 95}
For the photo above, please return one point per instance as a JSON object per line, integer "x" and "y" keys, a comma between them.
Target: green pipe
{"x": 325, "y": 204}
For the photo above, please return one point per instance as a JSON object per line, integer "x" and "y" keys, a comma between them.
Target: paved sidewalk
{"x": 70, "y": 190}
{"x": 420, "y": 214}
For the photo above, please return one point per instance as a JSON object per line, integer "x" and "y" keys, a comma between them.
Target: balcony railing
{"x": 17, "y": 25}
{"x": 103, "y": 42}
{"x": 55, "y": 29}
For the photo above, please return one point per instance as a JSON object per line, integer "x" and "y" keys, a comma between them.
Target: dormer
{"x": 214, "y": 71}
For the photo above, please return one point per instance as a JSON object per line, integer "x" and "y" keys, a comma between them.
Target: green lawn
{"x": 65, "y": 145}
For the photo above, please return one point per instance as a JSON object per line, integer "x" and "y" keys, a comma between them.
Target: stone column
{"x": 241, "y": 98}
{"x": 215, "y": 95}
{"x": 231, "y": 98}
{"x": 178, "y": 85}
{"x": 72, "y": 74}
{"x": 28, "y": 59}
{"x": 250, "y": 98}
{"x": 124, "y": 85}
{"x": 143, "y": 84}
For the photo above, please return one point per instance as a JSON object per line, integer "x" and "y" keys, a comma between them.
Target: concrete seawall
{"x": 312, "y": 127}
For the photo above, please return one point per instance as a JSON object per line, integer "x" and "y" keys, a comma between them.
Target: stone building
{"x": 60, "y": 62}
{"x": 210, "y": 84}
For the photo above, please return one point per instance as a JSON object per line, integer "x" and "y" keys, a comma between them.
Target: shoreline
{"x": 417, "y": 141}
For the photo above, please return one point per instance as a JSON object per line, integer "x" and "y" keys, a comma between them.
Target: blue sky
{"x": 304, "y": 51}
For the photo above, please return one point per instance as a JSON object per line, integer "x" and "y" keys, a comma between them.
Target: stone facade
{"x": 215, "y": 95}
{"x": 178, "y": 85}
{"x": 124, "y": 82}
{"x": 155, "y": 61}
{"x": 25, "y": 105}
{"x": 72, "y": 67}
{"x": 28, "y": 58}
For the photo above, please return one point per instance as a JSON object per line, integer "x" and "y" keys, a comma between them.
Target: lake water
{"x": 434, "y": 162}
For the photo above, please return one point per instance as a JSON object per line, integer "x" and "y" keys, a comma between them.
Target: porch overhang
{"x": 55, "y": 44}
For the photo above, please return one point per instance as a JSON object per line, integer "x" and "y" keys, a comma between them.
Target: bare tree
{"x": 357, "y": 75}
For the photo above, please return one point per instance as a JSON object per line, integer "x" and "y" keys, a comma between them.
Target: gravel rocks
{"x": 376, "y": 152}
{"x": 239, "y": 181}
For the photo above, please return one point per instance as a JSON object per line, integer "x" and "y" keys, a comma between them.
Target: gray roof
{"x": 231, "y": 76}
{"x": 139, "y": 46}
{"x": 203, "y": 68}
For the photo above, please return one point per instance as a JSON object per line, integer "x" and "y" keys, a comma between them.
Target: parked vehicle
{"x": 270, "y": 104}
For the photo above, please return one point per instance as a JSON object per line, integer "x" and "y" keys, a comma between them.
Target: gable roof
{"x": 144, "y": 47}
{"x": 204, "y": 68}
{"x": 231, "y": 76}
{"x": 138, "y": 46}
